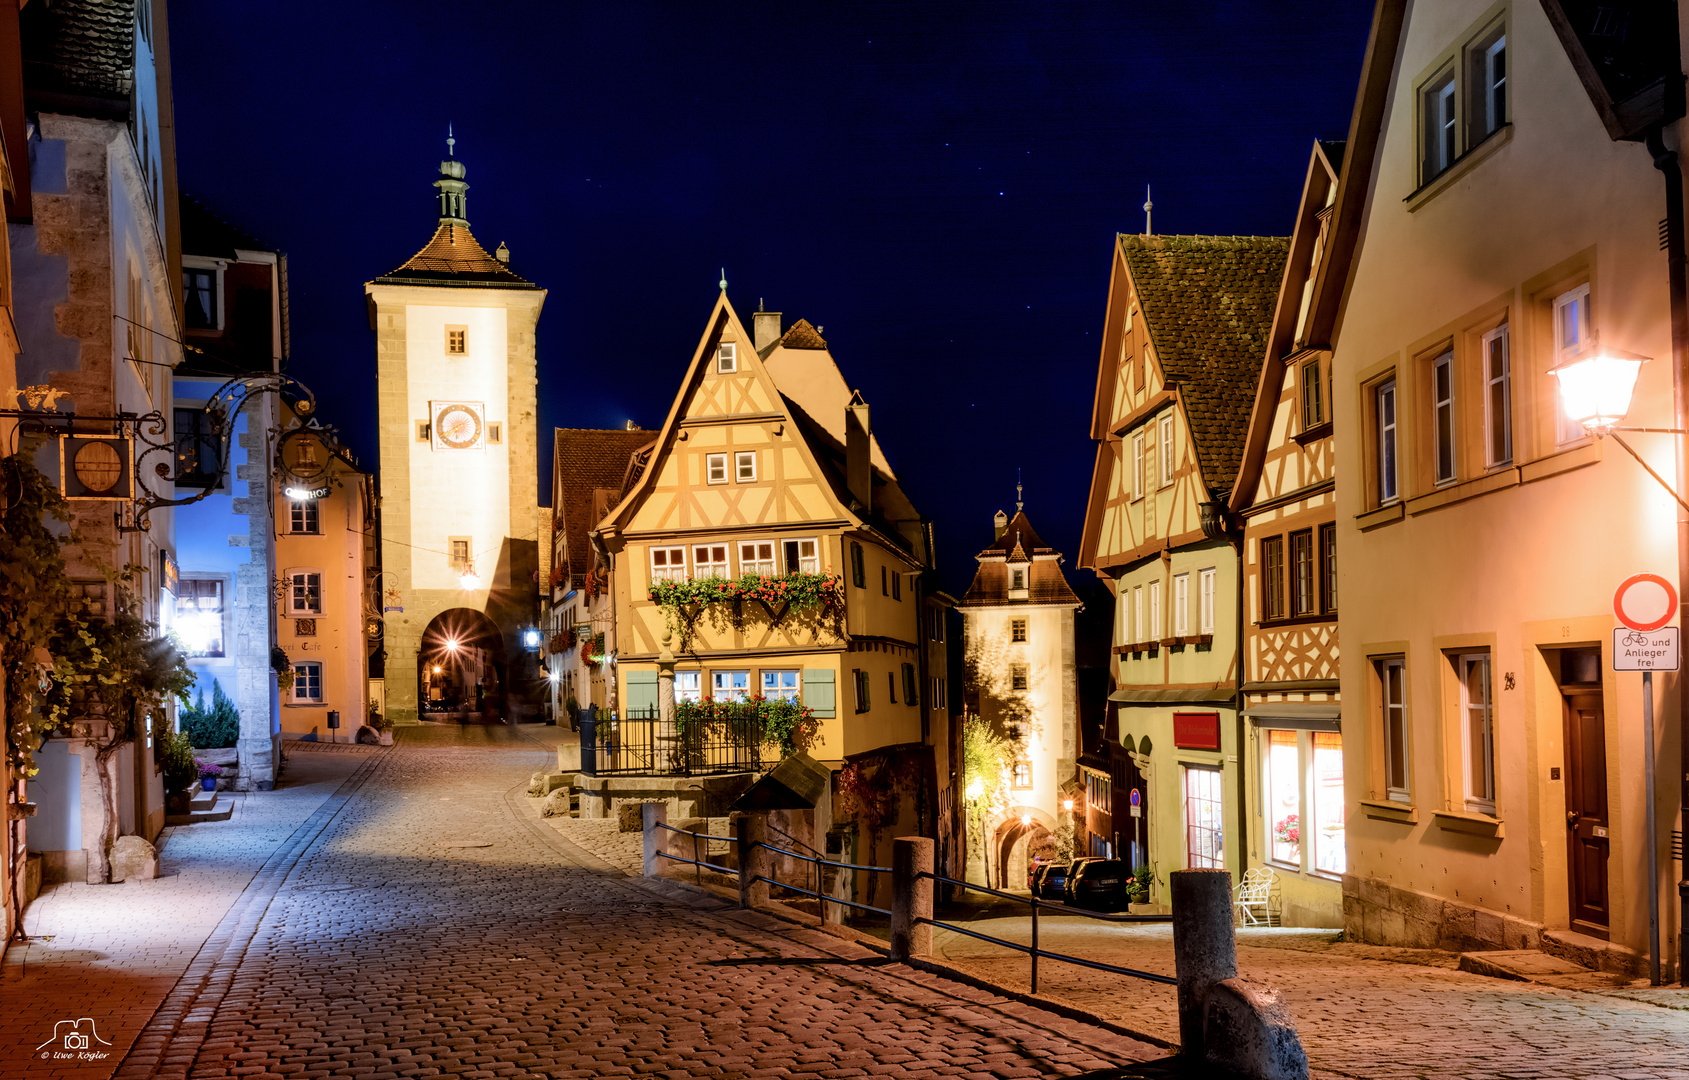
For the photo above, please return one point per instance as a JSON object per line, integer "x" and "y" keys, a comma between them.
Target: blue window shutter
{"x": 818, "y": 691}
{"x": 641, "y": 694}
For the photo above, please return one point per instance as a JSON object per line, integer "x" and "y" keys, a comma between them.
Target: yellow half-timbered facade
{"x": 767, "y": 466}
{"x": 1183, "y": 337}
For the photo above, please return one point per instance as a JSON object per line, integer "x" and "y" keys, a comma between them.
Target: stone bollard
{"x": 1249, "y": 1033}
{"x": 1204, "y": 946}
{"x": 654, "y": 814}
{"x": 749, "y": 831}
{"x": 911, "y": 897}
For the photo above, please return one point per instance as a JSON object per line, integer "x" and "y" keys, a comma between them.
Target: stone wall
{"x": 1381, "y": 914}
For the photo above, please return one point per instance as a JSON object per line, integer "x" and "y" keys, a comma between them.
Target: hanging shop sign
{"x": 169, "y": 574}
{"x": 97, "y": 468}
{"x": 1196, "y": 730}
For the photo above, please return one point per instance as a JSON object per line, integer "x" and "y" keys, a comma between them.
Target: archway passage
{"x": 1017, "y": 845}
{"x": 462, "y": 672}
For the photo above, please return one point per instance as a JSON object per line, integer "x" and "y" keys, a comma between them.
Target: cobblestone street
{"x": 422, "y": 921}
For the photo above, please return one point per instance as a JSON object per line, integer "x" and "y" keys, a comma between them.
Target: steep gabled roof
{"x": 1208, "y": 304}
{"x": 1019, "y": 546}
{"x": 207, "y": 235}
{"x": 587, "y": 461}
{"x": 454, "y": 257}
{"x": 803, "y": 336}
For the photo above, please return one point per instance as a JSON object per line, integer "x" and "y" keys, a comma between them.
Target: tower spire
{"x": 454, "y": 193}
{"x": 723, "y": 281}
{"x": 1148, "y": 206}
{"x": 1019, "y": 504}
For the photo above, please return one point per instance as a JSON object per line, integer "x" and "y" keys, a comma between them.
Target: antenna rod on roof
{"x": 1019, "y": 505}
{"x": 1148, "y": 206}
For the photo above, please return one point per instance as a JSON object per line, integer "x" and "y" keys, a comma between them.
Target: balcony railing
{"x": 643, "y": 745}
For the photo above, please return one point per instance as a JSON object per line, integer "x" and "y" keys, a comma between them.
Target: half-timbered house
{"x": 1184, "y": 334}
{"x": 1285, "y": 495}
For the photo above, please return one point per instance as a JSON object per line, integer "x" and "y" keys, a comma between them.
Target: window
{"x": 1272, "y": 578}
{"x": 730, "y": 685}
{"x": 757, "y": 557}
{"x": 715, "y": 468}
{"x": 891, "y": 687}
{"x": 688, "y": 686}
{"x": 1022, "y": 776}
{"x": 1313, "y": 398}
{"x": 668, "y": 564}
{"x": 745, "y": 466}
{"x": 1442, "y": 416}
{"x": 305, "y": 593}
{"x": 457, "y": 549}
{"x": 457, "y": 340}
{"x": 858, "y": 571}
{"x": 937, "y": 614}
{"x": 885, "y": 589}
{"x": 802, "y": 557}
{"x": 1302, "y": 583}
{"x": 1328, "y": 566}
{"x": 196, "y": 449}
{"x": 302, "y": 516}
{"x": 1498, "y": 398}
{"x": 1099, "y": 792}
{"x": 1437, "y": 117}
{"x": 897, "y": 586}
{"x": 1017, "y": 579}
{"x": 911, "y": 685}
{"x": 1385, "y": 395}
{"x": 308, "y": 683}
{"x": 1138, "y": 484}
{"x": 1205, "y": 847}
{"x": 1017, "y": 676}
{"x": 1488, "y": 80}
{"x": 1477, "y": 732}
{"x": 1155, "y": 624}
{"x": 727, "y": 357}
{"x": 1392, "y": 678}
{"x": 199, "y": 616}
{"x": 1302, "y": 798}
{"x": 1181, "y": 605}
{"x": 1138, "y": 613}
{"x": 1017, "y": 629}
{"x": 424, "y": 431}
{"x": 709, "y": 560}
{"x": 1206, "y": 587}
{"x": 1166, "y": 455}
{"x": 1571, "y": 334}
{"x": 859, "y": 680}
{"x": 938, "y": 698}
{"x": 780, "y": 685}
{"x": 199, "y": 298}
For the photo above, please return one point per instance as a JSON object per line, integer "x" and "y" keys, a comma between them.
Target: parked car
{"x": 1073, "y": 868}
{"x": 1101, "y": 885}
{"x": 1051, "y": 882}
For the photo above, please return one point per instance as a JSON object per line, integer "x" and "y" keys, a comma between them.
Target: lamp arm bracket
{"x": 1654, "y": 430}
{"x": 1662, "y": 480}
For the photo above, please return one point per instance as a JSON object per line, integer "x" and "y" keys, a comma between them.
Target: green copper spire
{"x": 454, "y": 193}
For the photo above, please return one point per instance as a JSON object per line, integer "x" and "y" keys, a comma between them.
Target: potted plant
{"x": 181, "y": 771}
{"x": 382, "y": 726}
{"x": 209, "y": 774}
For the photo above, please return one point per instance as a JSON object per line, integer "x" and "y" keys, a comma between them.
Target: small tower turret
{"x": 454, "y": 193}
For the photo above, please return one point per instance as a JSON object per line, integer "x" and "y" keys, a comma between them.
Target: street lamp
{"x": 1595, "y": 389}
{"x": 1067, "y": 804}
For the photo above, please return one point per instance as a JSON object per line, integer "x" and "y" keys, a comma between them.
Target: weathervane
{"x": 723, "y": 281}
{"x": 1148, "y": 206}
{"x": 1019, "y": 505}
{"x": 450, "y": 142}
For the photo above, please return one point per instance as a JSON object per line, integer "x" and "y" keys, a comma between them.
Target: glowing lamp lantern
{"x": 1026, "y": 819}
{"x": 531, "y": 638}
{"x": 436, "y": 669}
{"x": 976, "y": 789}
{"x": 469, "y": 580}
{"x": 1067, "y": 804}
{"x": 1595, "y": 389}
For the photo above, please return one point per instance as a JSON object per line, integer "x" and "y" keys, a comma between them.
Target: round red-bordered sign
{"x": 1645, "y": 602}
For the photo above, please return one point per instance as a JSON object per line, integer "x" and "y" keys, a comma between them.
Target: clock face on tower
{"x": 458, "y": 425}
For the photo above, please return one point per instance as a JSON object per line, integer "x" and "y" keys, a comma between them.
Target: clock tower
{"x": 454, "y": 329}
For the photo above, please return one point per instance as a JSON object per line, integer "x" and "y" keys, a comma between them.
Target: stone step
{"x": 203, "y": 800}
{"x": 221, "y": 810}
{"x": 1593, "y": 953}
{"x": 1531, "y": 965}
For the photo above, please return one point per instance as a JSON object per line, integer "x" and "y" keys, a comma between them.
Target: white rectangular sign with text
{"x": 1645, "y": 650}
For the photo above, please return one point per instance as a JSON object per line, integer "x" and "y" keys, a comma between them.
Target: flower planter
{"x": 208, "y": 783}
{"x": 386, "y": 738}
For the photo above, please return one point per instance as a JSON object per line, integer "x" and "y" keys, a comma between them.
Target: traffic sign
{"x": 1137, "y": 803}
{"x": 1645, "y": 650}
{"x": 1645, "y": 602}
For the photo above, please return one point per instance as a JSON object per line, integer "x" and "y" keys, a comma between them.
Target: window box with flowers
{"x": 776, "y": 594}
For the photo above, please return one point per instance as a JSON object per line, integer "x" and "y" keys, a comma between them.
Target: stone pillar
{"x": 749, "y": 831}
{"x": 1204, "y": 946}
{"x": 665, "y": 685}
{"x": 911, "y": 897}
{"x": 653, "y": 814}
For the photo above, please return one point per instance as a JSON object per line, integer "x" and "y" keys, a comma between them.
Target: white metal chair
{"x": 1250, "y": 900}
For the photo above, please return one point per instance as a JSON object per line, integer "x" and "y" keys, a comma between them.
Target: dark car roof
{"x": 1104, "y": 865}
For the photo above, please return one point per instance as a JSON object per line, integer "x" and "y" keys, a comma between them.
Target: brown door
{"x": 1586, "y": 812}
{"x": 1131, "y": 831}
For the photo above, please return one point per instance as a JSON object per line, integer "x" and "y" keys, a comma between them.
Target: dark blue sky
{"x": 937, "y": 185}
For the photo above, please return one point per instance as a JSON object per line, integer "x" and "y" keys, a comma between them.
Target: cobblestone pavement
{"x": 112, "y": 952}
{"x": 433, "y": 925}
{"x": 1361, "y": 1011}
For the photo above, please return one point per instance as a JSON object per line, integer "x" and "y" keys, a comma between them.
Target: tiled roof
{"x": 1208, "y": 302}
{"x": 454, "y": 257}
{"x": 204, "y": 233}
{"x": 78, "y": 49}
{"x": 587, "y": 461}
{"x": 1045, "y": 582}
{"x": 1018, "y": 533}
{"x": 803, "y": 336}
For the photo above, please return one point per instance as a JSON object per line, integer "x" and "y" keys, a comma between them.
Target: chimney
{"x": 1001, "y": 525}
{"x": 859, "y": 468}
{"x": 502, "y": 254}
{"x": 765, "y": 328}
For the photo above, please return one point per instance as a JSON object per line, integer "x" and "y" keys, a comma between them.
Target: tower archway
{"x": 462, "y": 670}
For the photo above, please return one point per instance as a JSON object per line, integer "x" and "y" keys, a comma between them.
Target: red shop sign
{"x": 1196, "y": 730}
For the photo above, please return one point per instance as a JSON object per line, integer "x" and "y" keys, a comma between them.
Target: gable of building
{"x": 588, "y": 467}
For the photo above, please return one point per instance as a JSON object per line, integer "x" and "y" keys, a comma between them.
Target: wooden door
{"x": 1586, "y": 812}
{"x": 1131, "y": 833}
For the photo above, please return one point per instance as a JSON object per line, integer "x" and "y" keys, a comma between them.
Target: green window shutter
{"x": 641, "y": 694}
{"x": 818, "y": 692}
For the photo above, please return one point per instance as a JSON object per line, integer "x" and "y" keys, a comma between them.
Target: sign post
{"x": 1644, "y": 603}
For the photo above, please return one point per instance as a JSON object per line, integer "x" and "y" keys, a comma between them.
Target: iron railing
{"x": 641, "y": 744}
{"x": 816, "y": 861}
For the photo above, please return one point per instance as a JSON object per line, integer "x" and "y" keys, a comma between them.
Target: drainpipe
{"x": 1666, "y": 161}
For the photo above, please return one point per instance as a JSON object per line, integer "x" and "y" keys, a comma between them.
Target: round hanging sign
{"x": 1645, "y": 602}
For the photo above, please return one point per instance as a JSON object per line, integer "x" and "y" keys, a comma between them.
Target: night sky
{"x": 936, "y": 185}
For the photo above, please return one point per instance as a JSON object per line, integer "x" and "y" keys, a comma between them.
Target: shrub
{"x": 181, "y": 771}
{"x": 213, "y": 728}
